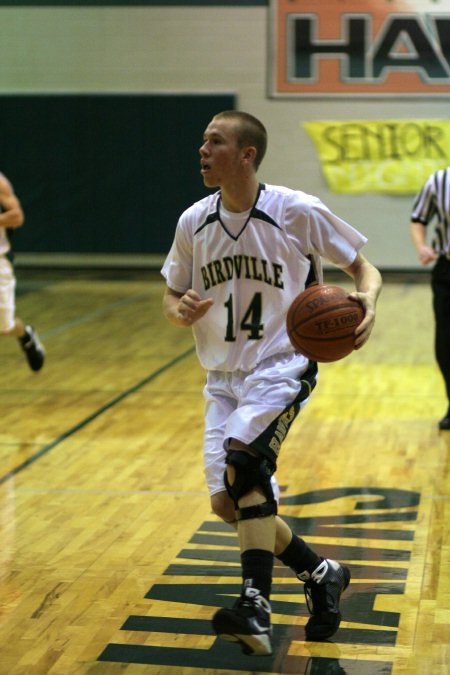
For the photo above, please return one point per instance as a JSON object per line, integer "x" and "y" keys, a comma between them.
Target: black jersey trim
{"x": 313, "y": 277}
{"x": 261, "y": 215}
{"x": 212, "y": 217}
{"x": 254, "y": 213}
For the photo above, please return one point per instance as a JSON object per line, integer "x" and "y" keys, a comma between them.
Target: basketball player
{"x": 433, "y": 200}
{"x": 11, "y": 216}
{"x": 238, "y": 259}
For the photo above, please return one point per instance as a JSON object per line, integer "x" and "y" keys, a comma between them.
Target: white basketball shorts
{"x": 256, "y": 408}
{"x": 7, "y": 295}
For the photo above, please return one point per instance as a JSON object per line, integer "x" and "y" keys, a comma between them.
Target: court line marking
{"x": 437, "y": 497}
{"x": 93, "y": 315}
{"x": 104, "y": 408}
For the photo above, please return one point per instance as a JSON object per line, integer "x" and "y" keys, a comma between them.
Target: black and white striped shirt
{"x": 434, "y": 200}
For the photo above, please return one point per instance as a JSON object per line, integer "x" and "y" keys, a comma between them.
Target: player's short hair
{"x": 249, "y": 131}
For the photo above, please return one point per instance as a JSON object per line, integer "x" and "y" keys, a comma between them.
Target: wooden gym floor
{"x": 110, "y": 559}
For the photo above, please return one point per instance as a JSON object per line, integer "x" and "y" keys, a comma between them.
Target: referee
{"x": 433, "y": 202}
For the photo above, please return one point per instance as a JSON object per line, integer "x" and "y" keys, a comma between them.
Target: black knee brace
{"x": 250, "y": 472}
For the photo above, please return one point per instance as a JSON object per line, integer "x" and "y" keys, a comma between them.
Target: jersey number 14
{"x": 251, "y": 321}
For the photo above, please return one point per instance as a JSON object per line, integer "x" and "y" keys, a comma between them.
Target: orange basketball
{"x": 321, "y": 322}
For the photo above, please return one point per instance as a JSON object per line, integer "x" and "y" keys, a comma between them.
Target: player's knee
{"x": 247, "y": 474}
{"x": 223, "y": 507}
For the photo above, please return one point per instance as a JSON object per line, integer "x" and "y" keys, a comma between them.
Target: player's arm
{"x": 11, "y": 211}
{"x": 184, "y": 309}
{"x": 368, "y": 285}
{"x": 418, "y": 233}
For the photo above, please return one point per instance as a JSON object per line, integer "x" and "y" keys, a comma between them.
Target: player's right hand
{"x": 191, "y": 307}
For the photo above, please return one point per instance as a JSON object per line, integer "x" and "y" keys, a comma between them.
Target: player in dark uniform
{"x": 239, "y": 258}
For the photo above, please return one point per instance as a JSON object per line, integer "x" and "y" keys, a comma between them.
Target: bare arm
{"x": 11, "y": 211}
{"x": 184, "y": 309}
{"x": 419, "y": 239}
{"x": 368, "y": 284}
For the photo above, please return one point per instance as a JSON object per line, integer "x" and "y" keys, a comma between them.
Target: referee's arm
{"x": 418, "y": 233}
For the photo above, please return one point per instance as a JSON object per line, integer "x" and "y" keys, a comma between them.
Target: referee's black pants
{"x": 440, "y": 283}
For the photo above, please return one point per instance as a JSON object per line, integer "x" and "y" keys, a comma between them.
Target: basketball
{"x": 321, "y": 322}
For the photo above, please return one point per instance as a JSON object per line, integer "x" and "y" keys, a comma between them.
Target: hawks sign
{"x": 359, "y": 47}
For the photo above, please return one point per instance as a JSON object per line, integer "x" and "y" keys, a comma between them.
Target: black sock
{"x": 257, "y": 566}
{"x": 23, "y": 339}
{"x": 299, "y": 557}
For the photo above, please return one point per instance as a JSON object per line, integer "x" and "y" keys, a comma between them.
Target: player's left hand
{"x": 368, "y": 283}
{"x": 363, "y": 331}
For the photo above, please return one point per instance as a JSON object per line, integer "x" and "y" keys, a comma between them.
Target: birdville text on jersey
{"x": 242, "y": 267}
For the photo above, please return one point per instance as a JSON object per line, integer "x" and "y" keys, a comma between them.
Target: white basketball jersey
{"x": 253, "y": 265}
{"x": 4, "y": 241}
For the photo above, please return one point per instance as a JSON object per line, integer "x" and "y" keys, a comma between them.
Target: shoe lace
{"x": 315, "y": 593}
{"x": 261, "y": 602}
{"x": 316, "y": 597}
{"x": 253, "y": 598}
{"x": 321, "y": 597}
